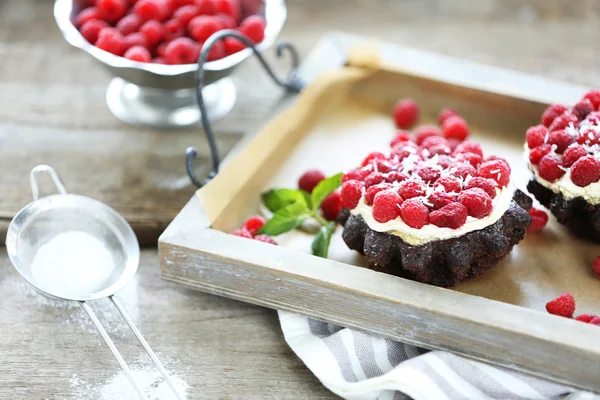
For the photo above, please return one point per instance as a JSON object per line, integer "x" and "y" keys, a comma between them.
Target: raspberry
{"x": 586, "y": 317}
{"x": 469, "y": 147}
{"x": 539, "y": 219}
{"x": 404, "y": 149}
{"x": 254, "y": 27}
{"x": 406, "y": 113}
{"x": 439, "y": 200}
{"x": 332, "y": 205}
{"x": 233, "y": 45}
{"x": 86, "y": 15}
{"x": 425, "y": 131}
{"x": 431, "y": 141}
{"x": 414, "y": 213}
{"x": 185, "y": 14}
{"x": 477, "y": 201}
{"x": 159, "y": 60}
{"x": 445, "y": 114}
{"x": 206, "y": 7}
{"x": 373, "y": 156}
{"x": 150, "y": 10}
{"x": 445, "y": 161}
{"x": 242, "y": 233}
{"x": 471, "y": 158}
{"x": 111, "y": 40}
{"x": 563, "y": 305}
{"x": 254, "y": 224}
{"x": 129, "y": 24}
{"x": 439, "y": 149}
{"x": 374, "y": 178}
{"x": 550, "y": 168}
{"x": 355, "y": 174}
{"x": 551, "y": 113}
{"x": 173, "y": 29}
{"x": 561, "y": 139}
{"x": 595, "y": 321}
{"x": 228, "y": 7}
{"x": 138, "y": 53}
{"x": 497, "y": 170}
{"x": 449, "y": 183}
{"x": 455, "y": 127}
{"x": 410, "y": 189}
{"x": 594, "y": 97}
{"x": 594, "y": 117}
{"x": 382, "y": 165}
{"x": 217, "y": 51}
{"x": 453, "y": 216}
{"x": 536, "y": 136}
{"x": 586, "y": 170}
{"x": 535, "y": 155}
{"x": 572, "y": 154}
{"x": 596, "y": 266}
{"x": 428, "y": 174}
{"x": 563, "y": 120}
{"x": 265, "y": 239}
{"x": 462, "y": 170}
{"x": 487, "y": 185}
{"x": 182, "y": 50}
{"x": 351, "y": 193}
{"x": 135, "y": 39}
{"x": 153, "y": 31}
{"x": 310, "y": 179}
{"x": 395, "y": 176}
{"x": 401, "y": 136}
{"x": 111, "y": 10}
{"x": 226, "y": 21}
{"x": 91, "y": 29}
{"x": 582, "y": 109}
{"x": 373, "y": 190}
{"x": 386, "y": 205}
{"x": 588, "y": 137}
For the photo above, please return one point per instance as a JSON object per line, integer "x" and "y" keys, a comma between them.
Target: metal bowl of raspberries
{"x": 151, "y": 47}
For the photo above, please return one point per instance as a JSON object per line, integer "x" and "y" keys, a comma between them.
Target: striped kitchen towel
{"x": 359, "y": 366}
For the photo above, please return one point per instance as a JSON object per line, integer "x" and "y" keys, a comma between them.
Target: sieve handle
{"x": 53, "y": 175}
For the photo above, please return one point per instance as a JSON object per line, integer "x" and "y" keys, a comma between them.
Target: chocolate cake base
{"x": 443, "y": 262}
{"x": 579, "y": 216}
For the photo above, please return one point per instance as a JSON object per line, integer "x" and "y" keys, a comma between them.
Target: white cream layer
{"x": 430, "y": 233}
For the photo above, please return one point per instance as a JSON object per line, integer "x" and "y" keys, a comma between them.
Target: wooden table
{"x": 52, "y": 110}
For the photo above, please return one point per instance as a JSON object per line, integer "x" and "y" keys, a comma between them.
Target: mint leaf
{"x": 307, "y": 198}
{"x": 285, "y": 219}
{"x": 320, "y": 246}
{"x": 323, "y": 189}
{"x": 276, "y": 199}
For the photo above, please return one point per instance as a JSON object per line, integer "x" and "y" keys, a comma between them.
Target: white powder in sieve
{"x": 71, "y": 264}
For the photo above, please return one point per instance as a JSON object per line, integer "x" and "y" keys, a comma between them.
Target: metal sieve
{"x": 44, "y": 219}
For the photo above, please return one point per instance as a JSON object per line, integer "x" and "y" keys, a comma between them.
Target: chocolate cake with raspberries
{"x": 434, "y": 209}
{"x": 563, "y": 154}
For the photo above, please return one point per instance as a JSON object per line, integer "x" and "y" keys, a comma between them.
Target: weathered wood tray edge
{"x": 209, "y": 260}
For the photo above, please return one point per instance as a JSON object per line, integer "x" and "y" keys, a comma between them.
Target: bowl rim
{"x": 275, "y": 16}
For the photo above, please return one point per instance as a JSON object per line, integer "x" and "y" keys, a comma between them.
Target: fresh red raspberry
{"x": 254, "y": 224}
{"x": 414, "y": 213}
{"x": 431, "y": 141}
{"x": 159, "y": 60}
{"x": 425, "y": 131}
{"x": 112, "y": 41}
{"x": 173, "y": 30}
{"x": 217, "y": 51}
{"x": 594, "y": 97}
{"x": 138, "y": 53}
{"x": 355, "y": 174}
{"x": 265, "y": 239}
{"x": 332, "y": 205}
{"x": 185, "y": 14}
{"x": 406, "y": 113}
{"x": 586, "y": 317}
{"x": 86, "y": 15}
{"x": 206, "y": 7}
{"x": 561, "y": 139}
{"x": 351, "y": 193}
{"x": 111, "y": 10}
{"x": 374, "y": 178}
{"x": 487, "y": 185}
{"x": 242, "y": 233}
{"x": 404, "y": 149}
{"x": 445, "y": 114}
{"x": 471, "y": 158}
{"x": 91, "y": 29}
{"x": 594, "y": 117}
{"x": 455, "y": 128}
{"x": 497, "y": 170}
{"x": 595, "y": 321}
{"x": 254, "y": 27}
{"x": 439, "y": 149}
{"x": 469, "y": 147}
{"x": 401, "y": 136}
{"x": 233, "y": 45}
{"x": 440, "y": 199}
{"x": 563, "y": 305}
{"x": 129, "y": 24}
{"x": 135, "y": 39}
{"x": 382, "y": 165}
{"x": 572, "y": 154}
{"x": 535, "y": 155}
{"x": 410, "y": 189}
{"x": 550, "y": 168}
{"x": 228, "y": 7}
{"x": 153, "y": 31}
{"x": 453, "y": 216}
{"x": 477, "y": 201}
{"x": 373, "y": 156}
{"x": 584, "y": 171}
{"x": 551, "y": 113}
{"x": 564, "y": 120}
{"x": 463, "y": 170}
{"x": 170, "y": 6}
{"x": 150, "y": 10}
{"x": 536, "y": 136}
{"x": 596, "y": 266}
{"x": 310, "y": 179}
{"x": 445, "y": 161}
{"x": 226, "y": 21}
{"x": 582, "y": 109}
{"x": 386, "y": 205}
{"x": 539, "y": 219}
{"x": 395, "y": 176}
{"x": 588, "y": 137}
{"x": 182, "y": 50}
{"x": 428, "y": 173}
{"x": 373, "y": 190}
{"x": 449, "y": 183}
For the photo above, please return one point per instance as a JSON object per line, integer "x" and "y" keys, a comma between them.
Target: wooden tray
{"x": 342, "y": 115}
